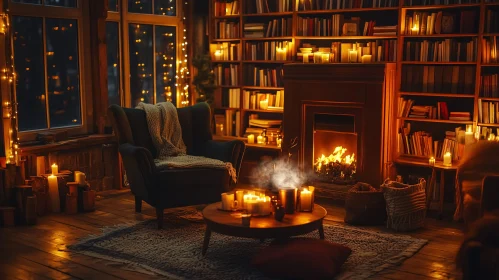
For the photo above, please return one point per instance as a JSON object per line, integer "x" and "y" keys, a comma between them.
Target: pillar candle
{"x": 366, "y": 58}
{"x": 306, "y": 200}
{"x": 264, "y": 104}
{"x": 54, "y": 193}
{"x": 448, "y": 159}
{"x": 431, "y": 161}
{"x": 259, "y": 139}
{"x": 305, "y": 58}
{"x": 80, "y": 177}
{"x": 352, "y": 56}
{"x": 55, "y": 169}
{"x": 325, "y": 58}
{"x": 240, "y": 199}
{"x": 251, "y": 139}
{"x": 227, "y": 201}
{"x": 469, "y": 137}
{"x": 218, "y": 55}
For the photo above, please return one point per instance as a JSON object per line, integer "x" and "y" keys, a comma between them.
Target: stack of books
{"x": 254, "y": 30}
{"x": 460, "y": 116}
{"x": 256, "y": 126}
{"x": 389, "y": 30}
{"x": 275, "y": 101}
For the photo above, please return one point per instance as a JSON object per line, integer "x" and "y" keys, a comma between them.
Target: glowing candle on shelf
{"x": 259, "y": 139}
{"x": 448, "y": 159}
{"x": 218, "y": 55}
{"x": 325, "y": 58}
{"x": 431, "y": 161}
{"x": 366, "y": 58}
{"x": 80, "y": 177}
{"x": 281, "y": 54}
{"x": 317, "y": 57}
{"x": 264, "y": 104}
{"x": 415, "y": 30}
{"x": 305, "y": 58}
{"x": 55, "y": 169}
{"x": 278, "y": 142}
{"x": 469, "y": 136}
{"x": 251, "y": 139}
{"x": 227, "y": 201}
{"x": 306, "y": 200}
{"x": 492, "y": 137}
{"x": 352, "y": 56}
{"x": 54, "y": 194}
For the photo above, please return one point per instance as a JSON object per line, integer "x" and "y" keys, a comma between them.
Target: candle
{"x": 431, "y": 161}
{"x": 259, "y": 139}
{"x": 352, "y": 56}
{"x": 325, "y": 58}
{"x": 218, "y": 55}
{"x": 491, "y": 137}
{"x": 54, "y": 194}
{"x": 240, "y": 199}
{"x": 317, "y": 57}
{"x": 251, "y": 139}
{"x": 305, "y": 58}
{"x": 257, "y": 204}
{"x": 448, "y": 159}
{"x": 366, "y": 58}
{"x": 281, "y": 54}
{"x": 469, "y": 137}
{"x": 306, "y": 200}
{"x": 264, "y": 104}
{"x": 278, "y": 142}
{"x": 228, "y": 201}
{"x": 80, "y": 177}
{"x": 55, "y": 169}
{"x": 415, "y": 30}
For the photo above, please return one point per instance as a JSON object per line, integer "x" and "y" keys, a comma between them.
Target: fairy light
{"x": 183, "y": 75}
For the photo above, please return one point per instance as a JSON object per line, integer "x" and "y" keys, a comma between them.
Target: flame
{"x": 338, "y": 156}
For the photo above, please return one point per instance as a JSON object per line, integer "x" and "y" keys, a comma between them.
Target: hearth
{"x": 340, "y": 115}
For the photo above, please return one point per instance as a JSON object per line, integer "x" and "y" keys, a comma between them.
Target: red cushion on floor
{"x": 302, "y": 258}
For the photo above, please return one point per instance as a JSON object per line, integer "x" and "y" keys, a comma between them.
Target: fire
{"x": 338, "y": 156}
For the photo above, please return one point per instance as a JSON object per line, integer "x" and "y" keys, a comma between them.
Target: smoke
{"x": 278, "y": 173}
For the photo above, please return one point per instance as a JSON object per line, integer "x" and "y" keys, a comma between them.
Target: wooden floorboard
{"x": 39, "y": 252}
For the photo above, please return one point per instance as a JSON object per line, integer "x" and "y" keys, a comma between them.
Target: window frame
{"x": 124, "y": 19}
{"x": 82, "y": 16}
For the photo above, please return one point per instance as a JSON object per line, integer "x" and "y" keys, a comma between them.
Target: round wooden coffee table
{"x": 230, "y": 223}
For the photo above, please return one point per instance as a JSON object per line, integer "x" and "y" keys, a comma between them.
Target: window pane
{"x": 113, "y": 5}
{"x": 63, "y": 72}
{"x": 113, "y": 63}
{"x": 165, "y": 7}
{"x": 164, "y": 42}
{"x": 140, "y": 6}
{"x": 141, "y": 63}
{"x": 28, "y": 60}
{"x": 62, "y": 3}
{"x": 28, "y": 1}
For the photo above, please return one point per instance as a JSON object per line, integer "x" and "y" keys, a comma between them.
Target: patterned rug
{"x": 175, "y": 251}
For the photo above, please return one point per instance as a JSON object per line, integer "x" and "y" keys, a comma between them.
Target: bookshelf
{"x": 446, "y": 52}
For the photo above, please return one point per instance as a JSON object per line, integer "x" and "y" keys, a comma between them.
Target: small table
{"x": 230, "y": 223}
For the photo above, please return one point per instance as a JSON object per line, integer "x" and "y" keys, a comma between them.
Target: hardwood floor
{"x": 38, "y": 252}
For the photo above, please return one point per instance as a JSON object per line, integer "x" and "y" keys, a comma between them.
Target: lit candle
{"x": 366, "y": 58}
{"x": 492, "y": 137}
{"x": 278, "y": 142}
{"x": 218, "y": 55}
{"x": 54, "y": 194}
{"x": 240, "y": 199}
{"x": 55, "y": 169}
{"x": 469, "y": 136}
{"x": 306, "y": 200}
{"x": 227, "y": 201}
{"x": 305, "y": 58}
{"x": 352, "y": 56}
{"x": 448, "y": 159}
{"x": 325, "y": 58}
{"x": 431, "y": 161}
{"x": 317, "y": 57}
{"x": 415, "y": 30}
{"x": 251, "y": 139}
{"x": 259, "y": 139}
{"x": 264, "y": 104}
{"x": 80, "y": 177}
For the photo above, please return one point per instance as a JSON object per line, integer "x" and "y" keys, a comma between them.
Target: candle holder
{"x": 431, "y": 161}
{"x": 288, "y": 199}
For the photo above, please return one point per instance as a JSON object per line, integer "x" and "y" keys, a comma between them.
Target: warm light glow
{"x": 338, "y": 156}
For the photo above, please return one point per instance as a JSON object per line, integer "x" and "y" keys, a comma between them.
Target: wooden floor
{"x": 38, "y": 252}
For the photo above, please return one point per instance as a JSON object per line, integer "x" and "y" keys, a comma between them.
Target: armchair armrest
{"x": 231, "y": 151}
{"x": 140, "y": 169}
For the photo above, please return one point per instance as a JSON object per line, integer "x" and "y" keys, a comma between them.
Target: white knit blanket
{"x": 166, "y": 134}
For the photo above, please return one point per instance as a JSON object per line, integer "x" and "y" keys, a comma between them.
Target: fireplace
{"x": 339, "y": 117}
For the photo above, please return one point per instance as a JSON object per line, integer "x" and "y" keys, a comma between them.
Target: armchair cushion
{"x": 140, "y": 130}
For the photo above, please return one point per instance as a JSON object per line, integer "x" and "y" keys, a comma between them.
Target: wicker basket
{"x": 405, "y": 204}
{"x": 365, "y": 205}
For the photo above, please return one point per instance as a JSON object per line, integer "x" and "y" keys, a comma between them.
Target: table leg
{"x": 321, "y": 231}
{"x": 207, "y": 235}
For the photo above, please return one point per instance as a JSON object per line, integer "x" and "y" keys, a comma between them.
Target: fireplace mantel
{"x": 355, "y": 90}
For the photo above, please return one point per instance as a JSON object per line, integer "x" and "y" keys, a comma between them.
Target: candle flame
{"x": 336, "y": 156}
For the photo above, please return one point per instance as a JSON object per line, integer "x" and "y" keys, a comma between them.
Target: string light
{"x": 10, "y": 107}
{"x": 183, "y": 75}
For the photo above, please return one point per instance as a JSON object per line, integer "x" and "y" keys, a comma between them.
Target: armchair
{"x": 169, "y": 188}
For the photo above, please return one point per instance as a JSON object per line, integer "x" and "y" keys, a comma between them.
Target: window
{"x": 47, "y": 61}
{"x": 148, "y": 48}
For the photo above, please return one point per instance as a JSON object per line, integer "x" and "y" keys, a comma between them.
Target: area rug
{"x": 175, "y": 251}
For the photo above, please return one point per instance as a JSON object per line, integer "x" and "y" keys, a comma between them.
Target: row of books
{"x": 491, "y": 21}
{"x": 228, "y": 124}
{"x": 439, "y": 2}
{"x": 438, "y": 78}
{"x": 274, "y": 28}
{"x": 490, "y": 49}
{"x": 380, "y": 51}
{"x": 429, "y": 23}
{"x": 269, "y": 50}
{"x": 268, "y": 6}
{"x": 307, "y": 5}
{"x": 441, "y": 50}
{"x": 224, "y": 51}
{"x": 226, "y": 30}
{"x": 489, "y": 85}
{"x": 274, "y": 101}
{"x": 231, "y": 98}
{"x": 226, "y": 8}
{"x": 264, "y": 76}
{"x": 407, "y": 109}
{"x": 226, "y": 75}
{"x": 488, "y": 111}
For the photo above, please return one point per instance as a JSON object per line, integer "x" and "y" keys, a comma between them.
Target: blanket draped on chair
{"x": 166, "y": 133}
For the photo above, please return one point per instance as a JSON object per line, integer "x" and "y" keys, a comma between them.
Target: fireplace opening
{"x": 335, "y": 148}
